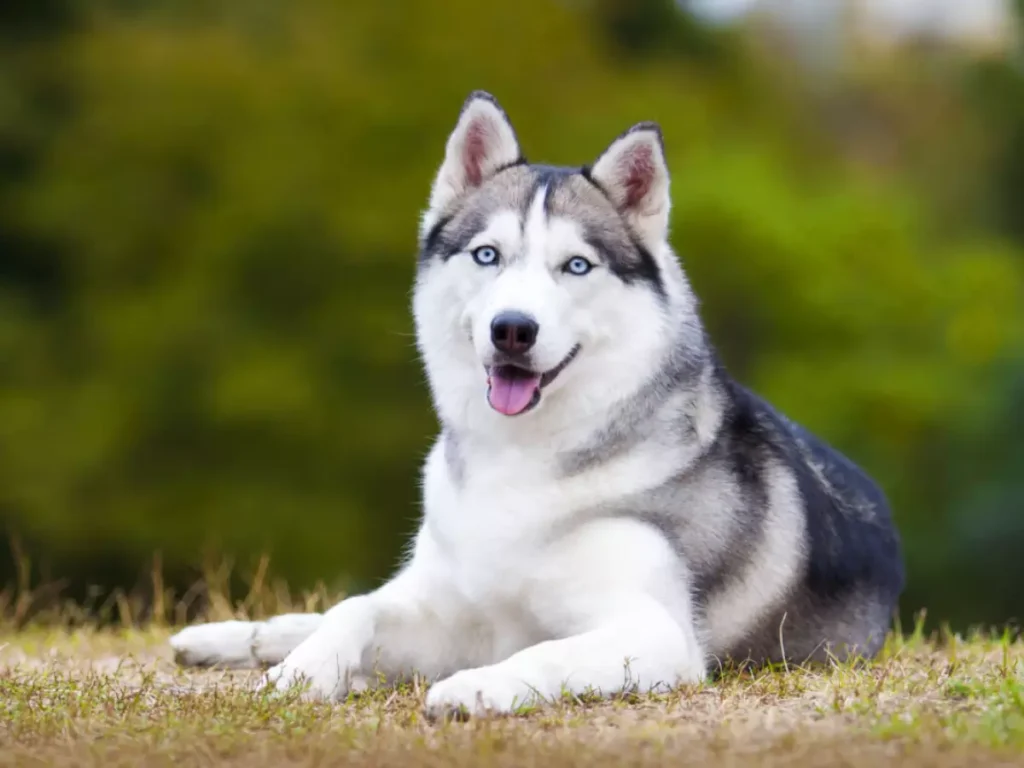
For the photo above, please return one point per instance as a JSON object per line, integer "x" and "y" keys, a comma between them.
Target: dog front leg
{"x": 410, "y": 625}
{"x": 615, "y": 598}
{"x": 641, "y": 649}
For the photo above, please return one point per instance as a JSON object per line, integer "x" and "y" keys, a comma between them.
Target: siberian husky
{"x": 604, "y": 509}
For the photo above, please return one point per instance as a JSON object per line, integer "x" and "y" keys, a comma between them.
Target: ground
{"x": 115, "y": 697}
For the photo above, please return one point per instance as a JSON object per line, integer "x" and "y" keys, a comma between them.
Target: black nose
{"x": 514, "y": 332}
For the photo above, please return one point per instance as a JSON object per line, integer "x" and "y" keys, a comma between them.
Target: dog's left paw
{"x": 479, "y": 692}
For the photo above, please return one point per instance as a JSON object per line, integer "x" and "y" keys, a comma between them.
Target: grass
{"x": 114, "y": 697}
{"x": 74, "y": 694}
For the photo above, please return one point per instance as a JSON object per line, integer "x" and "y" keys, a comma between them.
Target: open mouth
{"x": 512, "y": 389}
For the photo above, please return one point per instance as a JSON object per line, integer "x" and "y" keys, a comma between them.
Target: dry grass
{"x": 79, "y": 695}
{"x": 91, "y": 697}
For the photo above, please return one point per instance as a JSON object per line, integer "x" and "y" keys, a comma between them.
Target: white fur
{"x": 516, "y": 590}
{"x": 516, "y": 612}
{"x": 243, "y": 643}
{"x": 225, "y": 643}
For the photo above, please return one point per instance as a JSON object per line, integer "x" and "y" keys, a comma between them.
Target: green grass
{"x": 114, "y": 697}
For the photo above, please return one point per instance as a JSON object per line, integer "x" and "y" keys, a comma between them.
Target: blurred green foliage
{"x": 208, "y": 213}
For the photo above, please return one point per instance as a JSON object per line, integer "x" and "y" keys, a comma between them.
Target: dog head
{"x": 544, "y": 293}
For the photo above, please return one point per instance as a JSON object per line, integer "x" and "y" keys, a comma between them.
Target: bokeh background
{"x": 208, "y": 214}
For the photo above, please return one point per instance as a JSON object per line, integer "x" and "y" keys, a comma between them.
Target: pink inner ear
{"x": 638, "y": 174}
{"x": 474, "y": 151}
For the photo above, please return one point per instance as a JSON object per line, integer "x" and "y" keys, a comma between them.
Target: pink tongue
{"x": 512, "y": 395}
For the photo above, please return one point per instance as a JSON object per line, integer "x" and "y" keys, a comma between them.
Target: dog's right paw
{"x": 220, "y": 643}
{"x": 323, "y": 668}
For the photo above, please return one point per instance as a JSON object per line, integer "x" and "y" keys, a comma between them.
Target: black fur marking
{"x": 547, "y": 174}
{"x": 514, "y": 164}
{"x": 645, "y": 269}
{"x": 637, "y": 265}
{"x": 852, "y": 543}
{"x": 549, "y": 196}
{"x": 456, "y": 234}
{"x": 586, "y": 173}
{"x": 548, "y": 178}
{"x": 432, "y": 240}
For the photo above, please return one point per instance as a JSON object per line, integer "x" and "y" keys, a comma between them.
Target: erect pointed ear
{"x": 634, "y": 175}
{"x": 483, "y": 142}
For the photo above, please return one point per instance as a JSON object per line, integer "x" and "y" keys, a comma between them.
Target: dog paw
{"x": 275, "y": 638}
{"x": 225, "y": 644}
{"x": 319, "y": 669}
{"x": 478, "y": 692}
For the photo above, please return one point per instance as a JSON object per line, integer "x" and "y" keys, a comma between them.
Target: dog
{"x": 605, "y": 510}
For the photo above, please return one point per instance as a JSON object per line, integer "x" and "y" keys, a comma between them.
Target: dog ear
{"x": 482, "y": 143}
{"x": 634, "y": 175}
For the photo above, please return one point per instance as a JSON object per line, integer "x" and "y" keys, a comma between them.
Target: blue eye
{"x": 485, "y": 256}
{"x": 577, "y": 265}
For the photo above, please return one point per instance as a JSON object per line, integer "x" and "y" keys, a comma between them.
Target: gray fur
{"x": 634, "y": 419}
{"x": 453, "y": 457}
